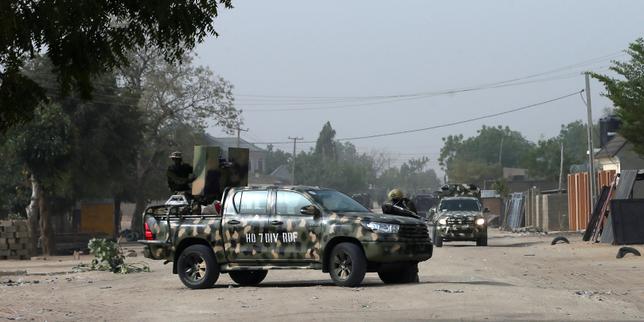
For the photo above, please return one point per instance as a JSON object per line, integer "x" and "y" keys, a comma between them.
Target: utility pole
{"x": 293, "y": 165}
{"x": 591, "y": 166}
{"x": 501, "y": 153}
{"x": 239, "y": 130}
{"x": 561, "y": 159}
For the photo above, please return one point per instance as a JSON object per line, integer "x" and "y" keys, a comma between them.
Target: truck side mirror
{"x": 310, "y": 210}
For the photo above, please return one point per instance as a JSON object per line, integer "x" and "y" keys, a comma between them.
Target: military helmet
{"x": 395, "y": 194}
{"x": 175, "y": 155}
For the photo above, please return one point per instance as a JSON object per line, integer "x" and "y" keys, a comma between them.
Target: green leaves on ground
{"x": 109, "y": 257}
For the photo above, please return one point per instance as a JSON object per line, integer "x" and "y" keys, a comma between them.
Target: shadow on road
{"x": 368, "y": 283}
{"x": 526, "y": 244}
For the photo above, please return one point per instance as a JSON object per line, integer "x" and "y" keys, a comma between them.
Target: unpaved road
{"x": 517, "y": 277}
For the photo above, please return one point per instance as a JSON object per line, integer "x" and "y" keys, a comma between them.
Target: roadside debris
{"x": 449, "y": 291}
{"x": 109, "y": 257}
{"x": 627, "y": 250}
{"x": 558, "y": 239}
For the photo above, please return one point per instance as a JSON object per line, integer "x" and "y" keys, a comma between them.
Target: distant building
{"x": 515, "y": 174}
{"x": 618, "y": 155}
{"x": 257, "y": 155}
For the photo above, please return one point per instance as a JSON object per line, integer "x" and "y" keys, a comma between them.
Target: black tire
{"x": 482, "y": 241}
{"x": 627, "y": 250}
{"x": 437, "y": 239}
{"x": 347, "y": 265}
{"x": 559, "y": 239}
{"x": 197, "y": 267}
{"x": 405, "y": 274}
{"x": 248, "y": 278}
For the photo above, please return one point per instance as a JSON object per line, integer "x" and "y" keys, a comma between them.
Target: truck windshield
{"x": 460, "y": 205}
{"x": 336, "y": 201}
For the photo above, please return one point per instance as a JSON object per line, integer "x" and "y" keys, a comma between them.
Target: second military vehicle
{"x": 261, "y": 228}
{"x": 459, "y": 216}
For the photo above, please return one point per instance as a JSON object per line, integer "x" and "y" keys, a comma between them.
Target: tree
{"x": 176, "y": 101}
{"x": 275, "y": 158}
{"x": 544, "y": 160}
{"x": 482, "y": 157}
{"x": 44, "y": 147}
{"x": 335, "y": 165}
{"x": 84, "y": 39}
{"x": 86, "y": 152}
{"x": 627, "y": 94}
{"x": 325, "y": 146}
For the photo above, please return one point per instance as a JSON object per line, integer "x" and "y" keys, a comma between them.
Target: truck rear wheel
{"x": 406, "y": 273}
{"x": 197, "y": 267}
{"x": 248, "y": 278}
{"x": 348, "y": 265}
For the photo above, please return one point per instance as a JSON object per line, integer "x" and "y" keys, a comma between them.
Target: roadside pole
{"x": 591, "y": 167}
{"x": 293, "y": 165}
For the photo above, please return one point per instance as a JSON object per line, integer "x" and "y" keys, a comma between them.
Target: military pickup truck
{"x": 259, "y": 228}
{"x": 459, "y": 216}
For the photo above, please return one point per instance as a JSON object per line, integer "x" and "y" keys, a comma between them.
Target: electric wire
{"x": 433, "y": 127}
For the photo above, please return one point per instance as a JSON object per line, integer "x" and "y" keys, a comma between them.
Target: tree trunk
{"x": 33, "y": 214}
{"x": 47, "y": 234}
{"x": 117, "y": 216}
{"x": 136, "y": 224}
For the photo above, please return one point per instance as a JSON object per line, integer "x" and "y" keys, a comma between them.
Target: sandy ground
{"x": 517, "y": 277}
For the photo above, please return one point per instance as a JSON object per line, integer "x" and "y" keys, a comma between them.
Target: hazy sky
{"x": 299, "y": 54}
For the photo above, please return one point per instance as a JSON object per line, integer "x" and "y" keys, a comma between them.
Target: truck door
{"x": 293, "y": 236}
{"x": 244, "y": 224}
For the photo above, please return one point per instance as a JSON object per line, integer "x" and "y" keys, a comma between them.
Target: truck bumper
{"x": 389, "y": 252}
{"x": 461, "y": 232}
{"x": 154, "y": 249}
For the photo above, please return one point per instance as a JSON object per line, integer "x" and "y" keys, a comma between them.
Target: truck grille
{"x": 413, "y": 232}
{"x": 459, "y": 221}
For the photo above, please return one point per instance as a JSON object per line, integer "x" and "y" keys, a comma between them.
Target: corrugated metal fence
{"x": 579, "y": 197}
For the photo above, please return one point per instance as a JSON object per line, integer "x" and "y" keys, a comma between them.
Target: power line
{"x": 514, "y": 110}
{"x": 401, "y": 99}
{"x": 486, "y": 85}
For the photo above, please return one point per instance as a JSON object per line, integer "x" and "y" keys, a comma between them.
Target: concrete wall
{"x": 549, "y": 212}
{"x": 496, "y": 207}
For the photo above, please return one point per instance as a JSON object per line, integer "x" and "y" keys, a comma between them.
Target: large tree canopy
{"x": 83, "y": 39}
{"x": 482, "y": 157}
{"x": 627, "y": 94}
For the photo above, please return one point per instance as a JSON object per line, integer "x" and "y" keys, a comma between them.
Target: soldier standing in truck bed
{"x": 179, "y": 174}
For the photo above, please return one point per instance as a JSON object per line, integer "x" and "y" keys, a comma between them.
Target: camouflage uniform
{"x": 396, "y": 198}
{"x": 179, "y": 174}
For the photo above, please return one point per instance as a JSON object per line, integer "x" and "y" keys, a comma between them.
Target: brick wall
{"x": 15, "y": 242}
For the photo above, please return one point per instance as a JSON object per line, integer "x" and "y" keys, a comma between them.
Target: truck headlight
{"x": 442, "y": 221}
{"x": 480, "y": 221}
{"x": 378, "y": 227}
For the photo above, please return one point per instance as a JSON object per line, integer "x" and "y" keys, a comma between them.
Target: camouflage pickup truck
{"x": 260, "y": 228}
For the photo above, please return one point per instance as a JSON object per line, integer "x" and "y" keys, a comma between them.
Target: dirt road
{"x": 515, "y": 278}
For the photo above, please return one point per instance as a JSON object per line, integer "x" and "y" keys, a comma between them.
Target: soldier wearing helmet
{"x": 397, "y": 199}
{"x": 179, "y": 174}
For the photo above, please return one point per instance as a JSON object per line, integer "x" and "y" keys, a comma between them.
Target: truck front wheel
{"x": 348, "y": 265}
{"x": 248, "y": 278}
{"x": 197, "y": 267}
{"x": 482, "y": 240}
{"x": 405, "y": 273}
{"x": 438, "y": 240}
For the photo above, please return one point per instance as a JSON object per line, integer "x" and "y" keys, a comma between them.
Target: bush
{"x": 109, "y": 257}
